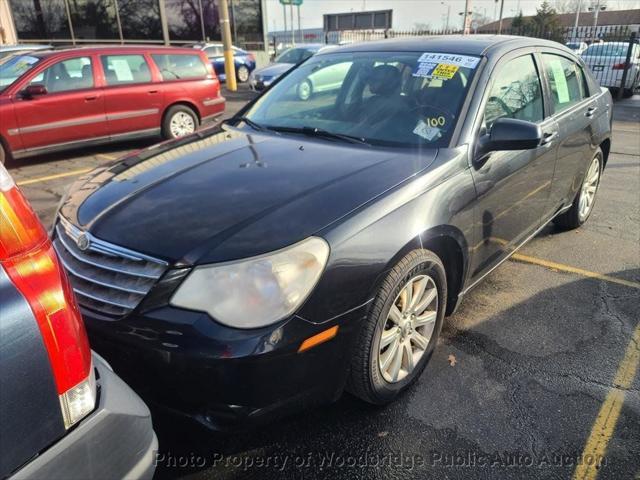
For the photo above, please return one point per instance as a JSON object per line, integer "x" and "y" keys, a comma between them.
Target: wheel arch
{"x": 448, "y": 243}
{"x": 186, "y": 103}
{"x": 605, "y": 146}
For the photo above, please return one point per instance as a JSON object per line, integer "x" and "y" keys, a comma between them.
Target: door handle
{"x": 153, "y": 91}
{"x": 591, "y": 111}
{"x": 91, "y": 98}
{"x": 548, "y": 138}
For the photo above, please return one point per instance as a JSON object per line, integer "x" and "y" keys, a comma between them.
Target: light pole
{"x": 446, "y": 28}
{"x": 467, "y": 17}
{"x": 575, "y": 26}
{"x": 500, "y": 21}
{"x": 595, "y": 11}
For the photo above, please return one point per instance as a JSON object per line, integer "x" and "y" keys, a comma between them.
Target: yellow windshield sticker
{"x": 445, "y": 71}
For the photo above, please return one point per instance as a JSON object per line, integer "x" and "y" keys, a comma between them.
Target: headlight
{"x": 257, "y": 291}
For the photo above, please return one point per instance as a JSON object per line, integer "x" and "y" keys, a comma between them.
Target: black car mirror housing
{"x": 510, "y": 134}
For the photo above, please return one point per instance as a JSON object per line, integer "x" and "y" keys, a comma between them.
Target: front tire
{"x": 242, "y": 74}
{"x": 401, "y": 330}
{"x": 585, "y": 199}
{"x": 179, "y": 121}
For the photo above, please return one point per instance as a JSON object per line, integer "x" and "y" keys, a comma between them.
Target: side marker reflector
{"x": 319, "y": 338}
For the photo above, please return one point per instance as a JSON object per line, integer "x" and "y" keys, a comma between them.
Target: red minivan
{"x": 60, "y": 99}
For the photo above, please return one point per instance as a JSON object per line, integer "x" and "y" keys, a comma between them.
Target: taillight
{"x": 618, "y": 66}
{"x": 28, "y": 257}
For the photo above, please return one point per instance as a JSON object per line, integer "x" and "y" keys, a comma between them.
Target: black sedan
{"x": 312, "y": 245}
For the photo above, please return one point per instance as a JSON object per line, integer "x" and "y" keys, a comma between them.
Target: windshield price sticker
{"x": 425, "y": 69}
{"x": 464, "y": 61}
{"x": 427, "y": 131}
{"x": 445, "y": 71}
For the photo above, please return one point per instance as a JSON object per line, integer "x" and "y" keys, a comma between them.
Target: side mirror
{"x": 34, "y": 91}
{"x": 510, "y": 134}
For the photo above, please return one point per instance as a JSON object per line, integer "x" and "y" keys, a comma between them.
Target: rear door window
{"x": 125, "y": 69}
{"x": 565, "y": 81}
{"x": 180, "y": 66}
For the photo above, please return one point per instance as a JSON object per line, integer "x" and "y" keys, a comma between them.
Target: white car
{"x": 607, "y": 61}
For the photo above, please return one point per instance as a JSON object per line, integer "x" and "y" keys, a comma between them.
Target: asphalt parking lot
{"x": 534, "y": 374}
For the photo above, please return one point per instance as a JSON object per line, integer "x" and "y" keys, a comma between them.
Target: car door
{"x": 575, "y": 110}
{"x": 132, "y": 100}
{"x": 512, "y": 186}
{"x": 71, "y": 110}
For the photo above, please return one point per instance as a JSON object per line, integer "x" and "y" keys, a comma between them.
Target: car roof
{"x": 22, "y": 46}
{"x": 91, "y": 49}
{"x": 460, "y": 44}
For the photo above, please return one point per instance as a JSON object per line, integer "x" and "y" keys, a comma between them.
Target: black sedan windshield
{"x": 384, "y": 98}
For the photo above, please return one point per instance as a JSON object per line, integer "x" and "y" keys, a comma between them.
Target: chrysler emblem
{"x": 83, "y": 241}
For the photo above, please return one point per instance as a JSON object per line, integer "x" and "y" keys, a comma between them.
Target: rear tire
{"x": 372, "y": 375}
{"x": 580, "y": 211}
{"x": 178, "y": 121}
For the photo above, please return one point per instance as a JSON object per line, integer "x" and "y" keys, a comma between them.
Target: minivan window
{"x": 125, "y": 69}
{"x": 67, "y": 75}
{"x": 516, "y": 92}
{"x": 179, "y": 66}
{"x": 565, "y": 80}
{"x": 14, "y": 68}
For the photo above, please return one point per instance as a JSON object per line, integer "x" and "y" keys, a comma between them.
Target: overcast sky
{"x": 408, "y": 13}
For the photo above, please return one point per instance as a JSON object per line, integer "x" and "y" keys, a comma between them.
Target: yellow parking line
{"x": 108, "y": 157}
{"x": 605, "y": 422}
{"x": 569, "y": 269}
{"x": 53, "y": 177}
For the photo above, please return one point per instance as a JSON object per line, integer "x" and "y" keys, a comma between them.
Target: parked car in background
{"x": 245, "y": 62}
{"x": 59, "y": 99}
{"x": 577, "y": 47}
{"x": 6, "y": 50}
{"x": 63, "y": 412}
{"x": 607, "y": 62}
{"x": 265, "y": 76}
{"x": 305, "y": 246}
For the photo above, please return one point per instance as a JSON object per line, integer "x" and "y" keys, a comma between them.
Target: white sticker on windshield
{"x": 425, "y": 69}
{"x": 464, "y": 61}
{"x": 427, "y": 131}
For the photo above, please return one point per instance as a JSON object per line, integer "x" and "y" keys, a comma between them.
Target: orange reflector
{"x": 318, "y": 339}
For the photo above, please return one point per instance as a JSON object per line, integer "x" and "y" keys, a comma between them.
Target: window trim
{"x": 105, "y": 82}
{"x": 52, "y": 64}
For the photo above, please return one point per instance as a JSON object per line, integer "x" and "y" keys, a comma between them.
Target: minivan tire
{"x": 572, "y": 219}
{"x": 173, "y": 112}
{"x": 366, "y": 380}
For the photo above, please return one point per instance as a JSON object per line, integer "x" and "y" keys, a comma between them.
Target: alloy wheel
{"x": 589, "y": 189}
{"x": 408, "y": 328}
{"x": 182, "y": 124}
{"x": 243, "y": 74}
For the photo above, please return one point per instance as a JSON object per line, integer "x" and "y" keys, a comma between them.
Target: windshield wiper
{"x": 248, "y": 121}
{"x": 318, "y": 132}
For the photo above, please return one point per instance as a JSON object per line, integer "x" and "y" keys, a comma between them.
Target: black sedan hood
{"x": 228, "y": 194}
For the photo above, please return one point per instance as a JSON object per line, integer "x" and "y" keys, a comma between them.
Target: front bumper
{"x": 222, "y": 377}
{"x": 115, "y": 441}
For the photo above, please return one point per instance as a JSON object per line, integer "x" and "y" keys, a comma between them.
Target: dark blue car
{"x": 245, "y": 62}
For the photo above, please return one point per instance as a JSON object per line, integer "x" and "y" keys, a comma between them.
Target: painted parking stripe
{"x": 605, "y": 423}
{"x": 54, "y": 177}
{"x": 569, "y": 269}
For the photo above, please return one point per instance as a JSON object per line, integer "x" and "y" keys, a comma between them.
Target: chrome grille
{"x": 106, "y": 278}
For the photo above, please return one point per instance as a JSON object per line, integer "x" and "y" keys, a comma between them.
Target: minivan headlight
{"x": 258, "y": 291}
